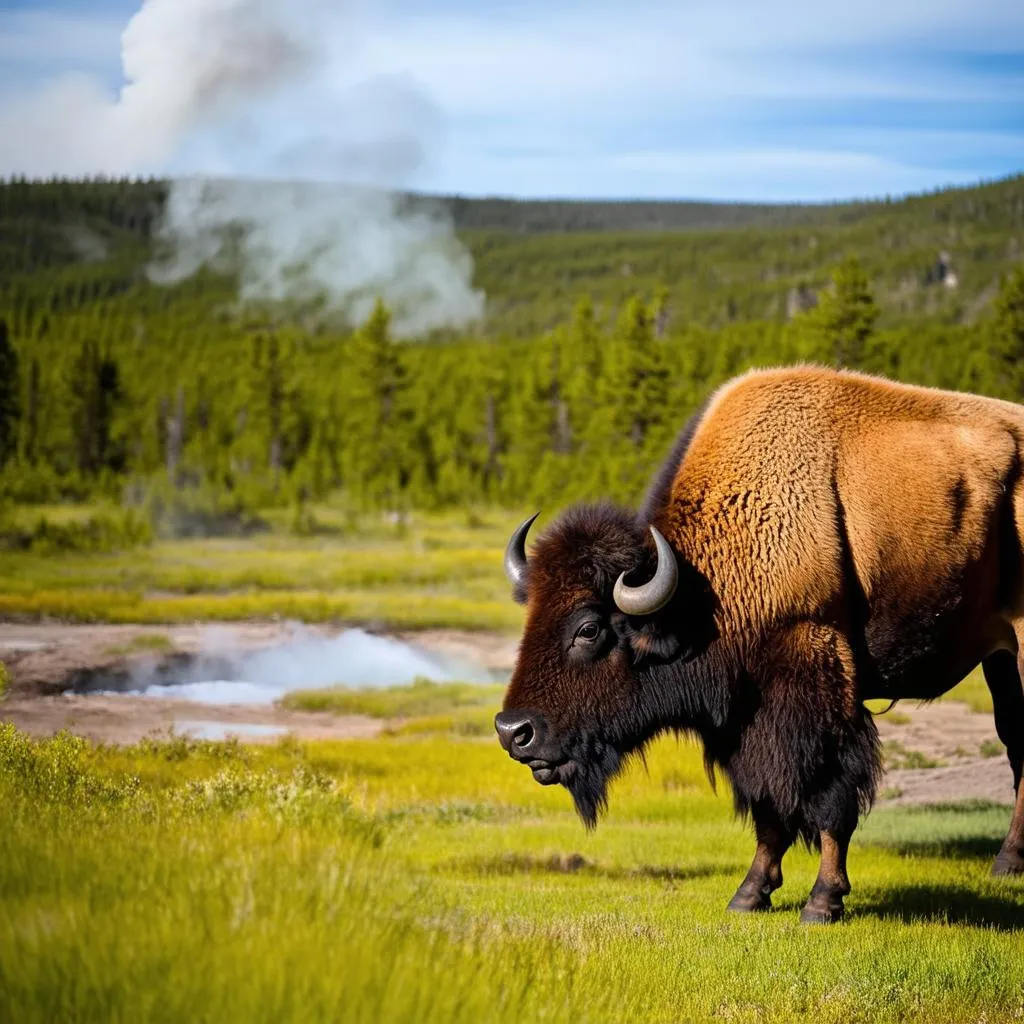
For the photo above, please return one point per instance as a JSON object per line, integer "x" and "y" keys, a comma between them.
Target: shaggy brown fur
{"x": 839, "y": 537}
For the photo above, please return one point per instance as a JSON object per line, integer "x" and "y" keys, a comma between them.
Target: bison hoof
{"x": 822, "y": 911}
{"x": 750, "y": 899}
{"x": 1008, "y": 863}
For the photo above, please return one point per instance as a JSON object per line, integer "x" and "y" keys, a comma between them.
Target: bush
{"x": 103, "y": 532}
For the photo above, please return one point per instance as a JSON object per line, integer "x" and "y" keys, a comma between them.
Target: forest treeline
{"x": 197, "y": 413}
{"x": 938, "y": 256}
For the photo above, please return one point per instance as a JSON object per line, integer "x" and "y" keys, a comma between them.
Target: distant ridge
{"x": 536, "y": 216}
{"x": 541, "y": 216}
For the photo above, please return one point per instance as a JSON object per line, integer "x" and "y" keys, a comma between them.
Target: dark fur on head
{"x": 602, "y": 700}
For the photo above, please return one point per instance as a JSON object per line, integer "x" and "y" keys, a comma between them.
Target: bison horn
{"x": 515, "y": 553}
{"x": 656, "y": 593}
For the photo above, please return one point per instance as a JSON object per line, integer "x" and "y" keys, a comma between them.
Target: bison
{"x": 817, "y": 538}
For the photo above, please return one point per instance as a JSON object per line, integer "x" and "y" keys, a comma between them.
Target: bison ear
{"x": 519, "y": 593}
{"x": 648, "y": 640}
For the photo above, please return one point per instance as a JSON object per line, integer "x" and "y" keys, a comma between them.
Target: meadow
{"x": 421, "y": 876}
{"x": 430, "y": 570}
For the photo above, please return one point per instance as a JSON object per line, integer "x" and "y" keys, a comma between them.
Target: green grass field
{"x": 440, "y": 570}
{"x": 423, "y": 877}
{"x": 422, "y": 697}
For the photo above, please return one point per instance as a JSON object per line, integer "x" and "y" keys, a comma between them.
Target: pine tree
{"x": 377, "y": 432}
{"x": 30, "y": 418}
{"x": 638, "y": 374}
{"x": 580, "y": 369}
{"x": 532, "y": 420}
{"x": 631, "y": 409}
{"x": 10, "y": 399}
{"x": 1008, "y": 329}
{"x": 838, "y": 328}
{"x": 94, "y": 391}
{"x": 273, "y": 425}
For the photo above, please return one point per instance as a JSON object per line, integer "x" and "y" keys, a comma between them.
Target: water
{"x": 225, "y": 674}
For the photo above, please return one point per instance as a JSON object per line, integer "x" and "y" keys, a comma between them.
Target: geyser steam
{"x": 225, "y": 673}
{"x": 250, "y": 91}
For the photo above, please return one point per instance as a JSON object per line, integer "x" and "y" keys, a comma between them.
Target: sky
{"x": 693, "y": 99}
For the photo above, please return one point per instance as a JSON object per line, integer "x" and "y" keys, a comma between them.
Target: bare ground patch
{"x": 962, "y": 743}
{"x": 122, "y": 720}
{"x": 43, "y": 658}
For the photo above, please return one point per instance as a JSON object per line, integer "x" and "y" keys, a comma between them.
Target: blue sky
{"x": 732, "y": 99}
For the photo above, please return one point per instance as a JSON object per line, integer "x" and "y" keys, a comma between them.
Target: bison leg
{"x": 765, "y": 874}
{"x": 1004, "y": 683}
{"x": 825, "y": 905}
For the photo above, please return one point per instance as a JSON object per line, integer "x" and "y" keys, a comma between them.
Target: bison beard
{"x": 586, "y": 778}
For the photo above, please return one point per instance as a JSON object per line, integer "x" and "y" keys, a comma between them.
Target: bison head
{"x": 597, "y": 589}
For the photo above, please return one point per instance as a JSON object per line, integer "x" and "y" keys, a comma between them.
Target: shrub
{"x": 102, "y": 532}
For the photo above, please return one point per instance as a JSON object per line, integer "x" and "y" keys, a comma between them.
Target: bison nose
{"x": 519, "y": 732}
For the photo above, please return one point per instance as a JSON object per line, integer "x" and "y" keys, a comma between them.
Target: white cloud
{"x": 541, "y": 97}
{"x": 664, "y": 57}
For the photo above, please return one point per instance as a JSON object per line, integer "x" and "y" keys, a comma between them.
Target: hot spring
{"x": 227, "y": 674}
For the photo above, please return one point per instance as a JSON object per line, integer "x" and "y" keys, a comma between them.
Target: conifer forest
{"x": 605, "y": 326}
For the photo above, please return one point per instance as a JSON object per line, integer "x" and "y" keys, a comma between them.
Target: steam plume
{"x": 293, "y": 145}
{"x": 227, "y": 673}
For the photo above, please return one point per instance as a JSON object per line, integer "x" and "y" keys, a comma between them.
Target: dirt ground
{"x": 41, "y": 658}
{"x": 952, "y": 735}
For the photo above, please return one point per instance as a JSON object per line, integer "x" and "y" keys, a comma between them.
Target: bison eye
{"x": 588, "y": 632}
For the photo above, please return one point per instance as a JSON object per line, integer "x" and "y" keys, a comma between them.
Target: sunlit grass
{"x": 440, "y": 570}
{"x": 156, "y": 643}
{"x": 398, "y": 610}
{"x": 427, "y": 878}
{"x": 973, "y": 692}
{"x": 895, "y": 756}
{"x": 422, "y": 697}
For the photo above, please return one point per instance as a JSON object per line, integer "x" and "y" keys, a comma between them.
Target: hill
{"x": 719, "y": 262}
{"x": 595, "y": 346}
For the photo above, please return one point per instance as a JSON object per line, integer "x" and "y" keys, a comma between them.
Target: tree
{"x": 635, "y": 381}
{"x": 838, "y": 328}
{"x": 273, "y": 425}
{"x": 630, "y": 408}
{"x": 10, "y": 399}
{"x": 377, "y": 439}
{"x": 1008, "y": 328}
{"x": 30, "y": 419}
{"x": 581, "y": 364}
{"x": 94, "y": 391}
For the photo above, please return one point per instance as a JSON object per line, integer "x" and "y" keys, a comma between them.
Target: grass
{"x": 422, "y": 697}
{"x": 156, "y": 643}
{"x": 423, "y": 877}
{"x": 898, "y": 718}
{"x": 895, "y": 755}
{"x": 440, "y": 570}
{"x": 973, "y": 692}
